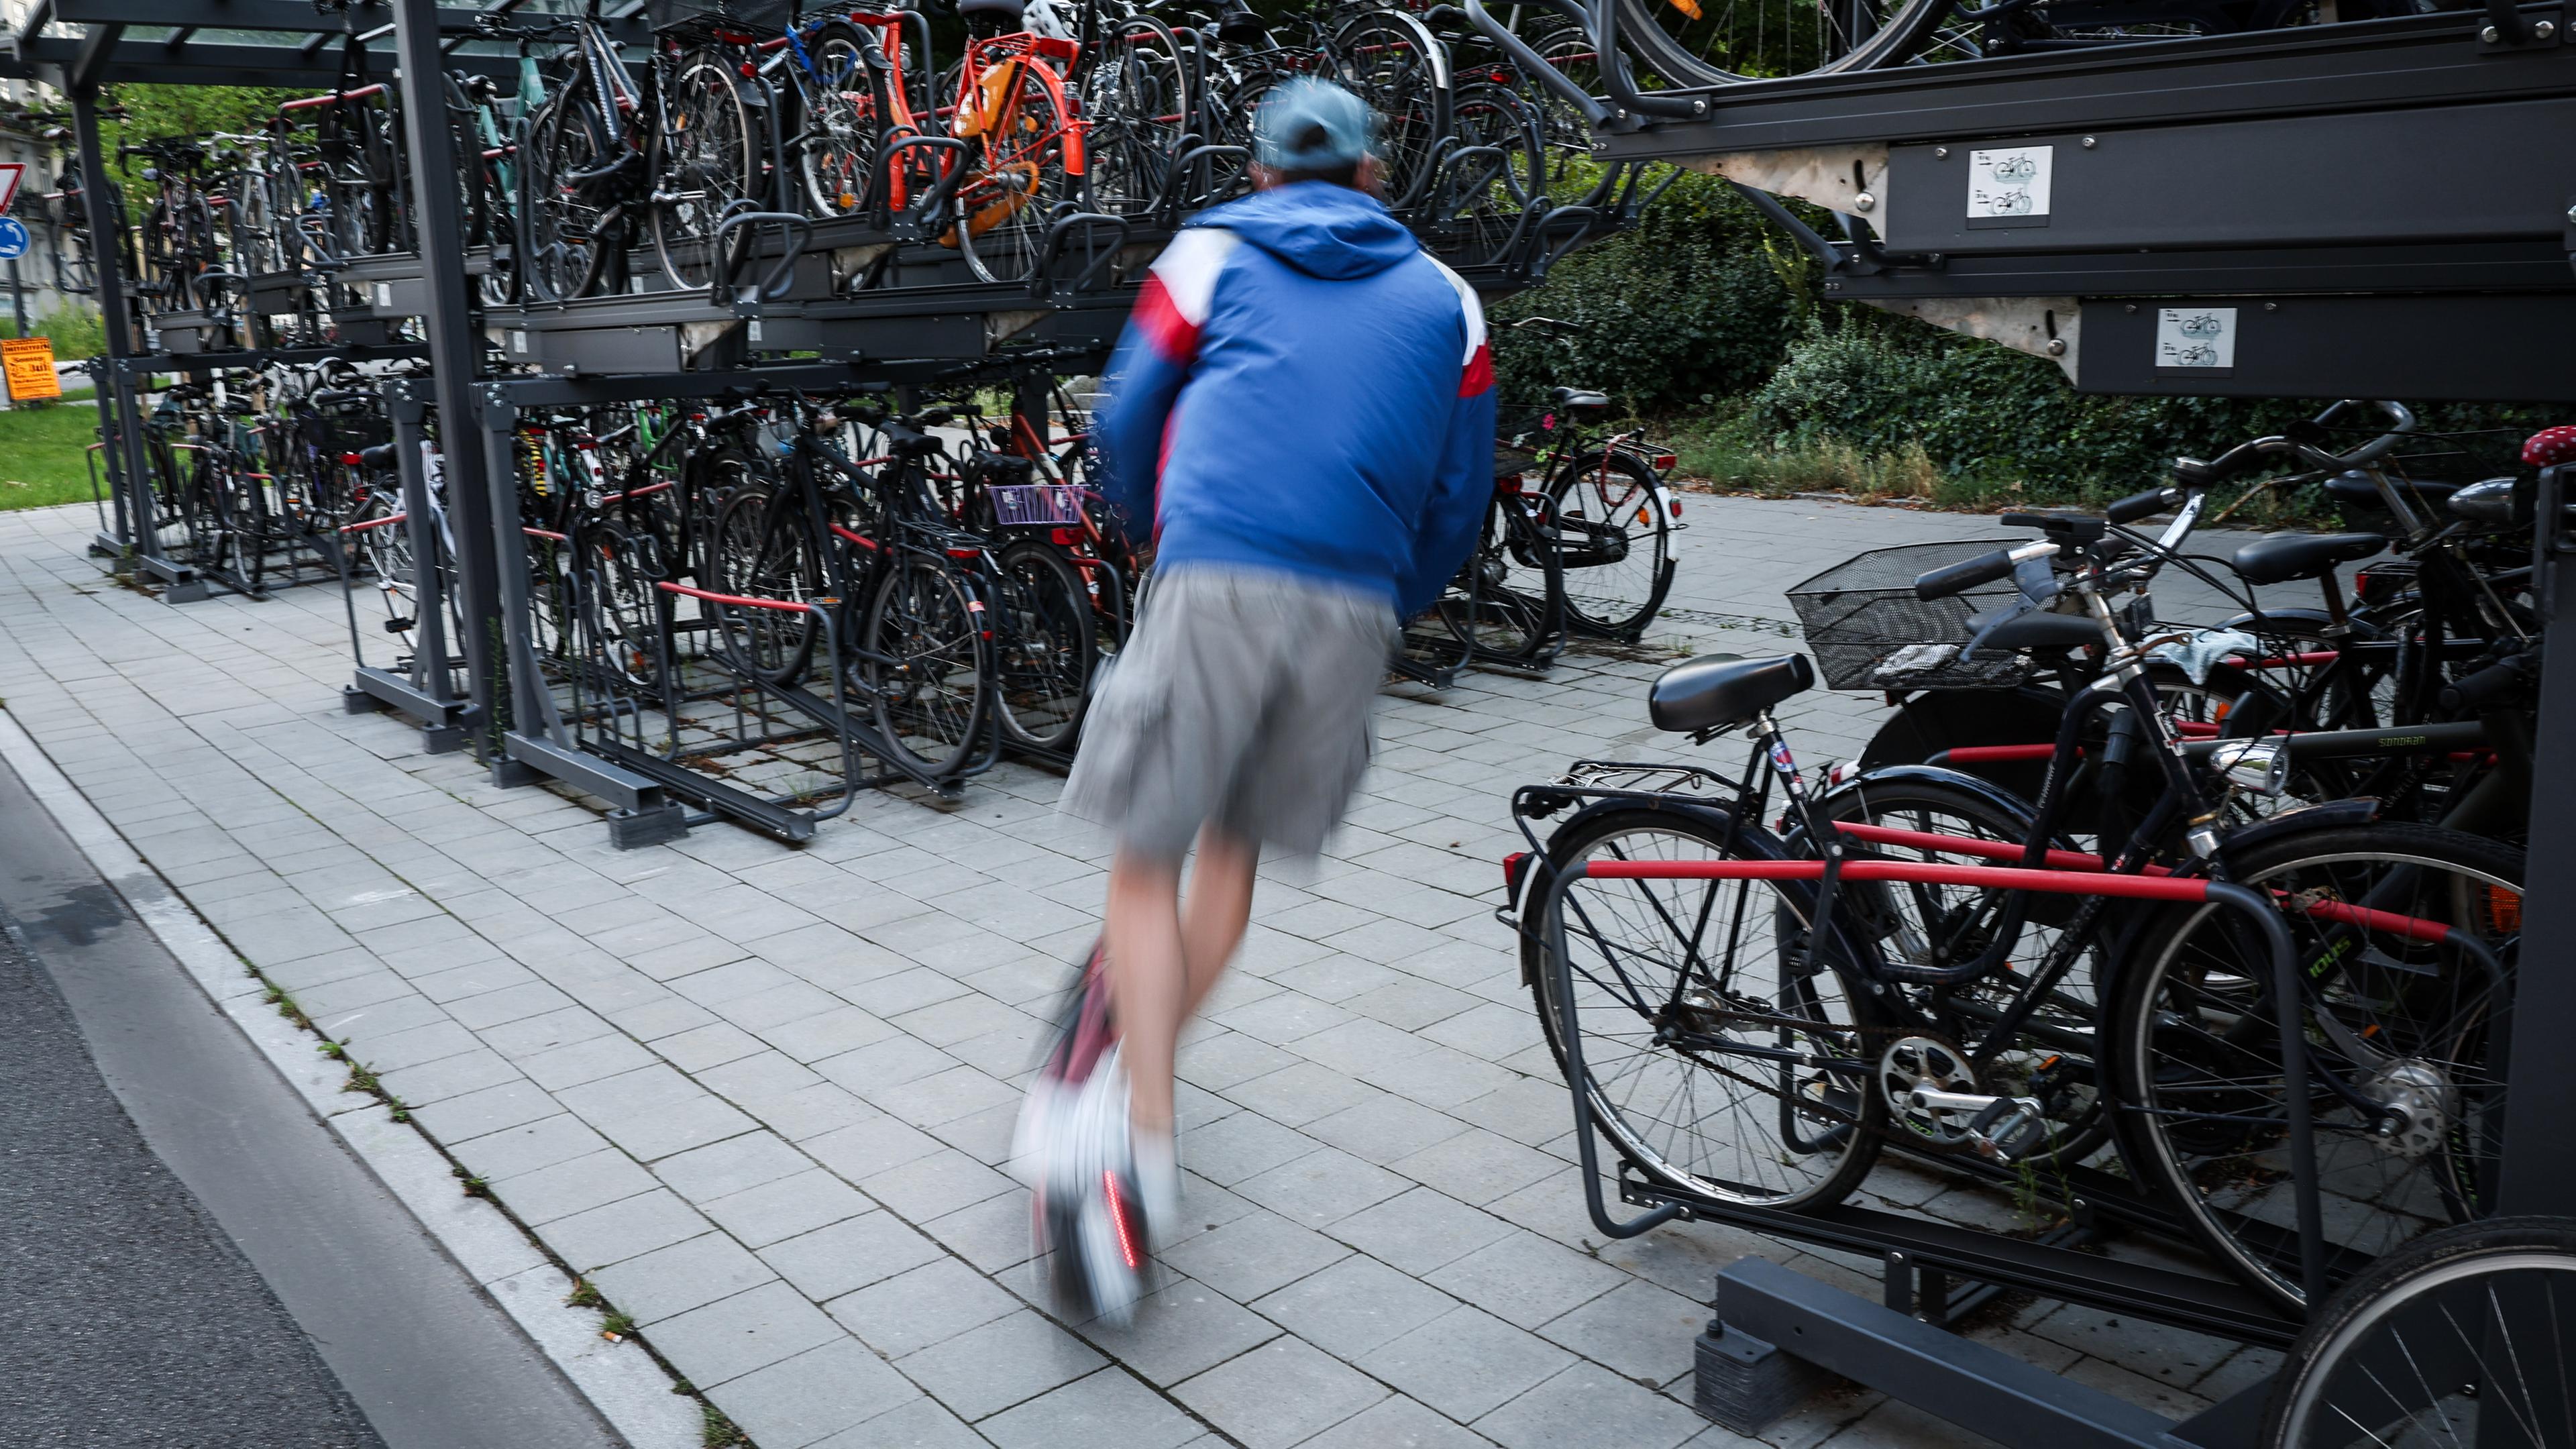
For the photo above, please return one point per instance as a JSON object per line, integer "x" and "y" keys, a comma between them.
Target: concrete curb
{"x": 623, "y": 1382}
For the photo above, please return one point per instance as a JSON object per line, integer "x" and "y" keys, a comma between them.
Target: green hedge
{"x": 1694, "y": 305}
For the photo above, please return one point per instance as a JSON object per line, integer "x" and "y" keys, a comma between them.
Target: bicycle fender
{"x": 2361, "y": 628}
{"x": 2011, "y": 805}
{"x": 1527, "y": 873}
{"x": 2327, "y": 815}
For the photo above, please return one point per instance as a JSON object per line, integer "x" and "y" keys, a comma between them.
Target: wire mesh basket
{"x": 1868, "y": 630}
{"x": 1035, "y": 505}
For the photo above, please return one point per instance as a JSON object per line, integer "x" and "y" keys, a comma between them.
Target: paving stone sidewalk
{"x": 762, "y": 1096}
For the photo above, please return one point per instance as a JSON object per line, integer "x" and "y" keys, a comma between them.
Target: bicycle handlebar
{"x": 2144, "y": 505}
{"x": 2193, "y": 473}
{"x": 1985, "y": 568}
{"x": 2476, "y": 689}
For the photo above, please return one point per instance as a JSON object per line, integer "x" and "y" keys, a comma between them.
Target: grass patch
{"x": 715, "y": 1431}
{"x": 1722, "y": 460}
{"x": 44, "y": 456}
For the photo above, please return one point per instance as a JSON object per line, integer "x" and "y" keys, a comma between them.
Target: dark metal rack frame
{"x": 2377, "y": 208}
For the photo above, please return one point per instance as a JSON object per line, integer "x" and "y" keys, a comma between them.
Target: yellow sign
{"x": 28, "y": 363}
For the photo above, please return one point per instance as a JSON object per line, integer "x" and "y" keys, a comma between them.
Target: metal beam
{"x": 90, "y": 57}
{"x": 2370, "y": 65}
{"x": 55, "y": 60}
{"x": 288, "y": 15}
{"x": 1978, "y": 1388}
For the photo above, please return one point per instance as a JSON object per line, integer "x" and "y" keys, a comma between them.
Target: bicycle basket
{"x": 764, "y": 18}
{"x": 351, "y": 427}
{"x": 1035, "y": 505}
{"x": 1868, "y": 630}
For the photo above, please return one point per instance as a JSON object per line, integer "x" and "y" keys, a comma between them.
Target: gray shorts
{"x": 1243, "y": 700}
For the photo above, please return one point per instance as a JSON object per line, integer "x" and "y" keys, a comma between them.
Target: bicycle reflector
{"x": 1664, "y": 462}
{"x": 1513, "y": 865}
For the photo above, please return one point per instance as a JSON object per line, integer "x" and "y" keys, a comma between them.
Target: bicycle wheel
{"x": 1395, "y": 65}
{"x": 2464, "y": 1327}
{"x": 762, "y": 552}
{"x": 1618, "y": 543}
{"x": 1512, "y": 612}
{"x": 1045, "y": 645}
{"x": 625, "y": 611}
{"x": 1497, "y": 172}
{"x": 924, "y": 663}
{"x": 387, "y": 546}
{"x": 563, "y": 218}
{"x": 1711, "y": 1059}
{"x": 1136, "y": 102}
{"x": 242, "y": 503}
{"x": 1947, "y": 1041}
{"x": 1016, "y": 122}
{"x": 844, "y": 121}
{"x": 1716, "y": 42}
{"x": 702, "y": 166}
{"x": 2406, "y": 1107}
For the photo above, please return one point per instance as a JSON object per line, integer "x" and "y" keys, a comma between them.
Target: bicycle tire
{"x": 563, "y": 252}
{"x": 1515, "y": 611}
{"x": 2471, "y": 1288}
{"x": 1604, "y": 596}
{"x": 1684, "y": 54}
{"x": 841, "y": 133}
{"x": 761, "y": 552}
{"x": 244, "y": 503}
{"x": 1017, "y": 179}
{"x": 1392, "y": 62}
{"x": 703, "y": 167}
{"x": 925, "y": 664}
{"x": 1135, "y": 95}
{"x": 1807, "y": 1169}
{"x": 1046, "y": 647}
{"x": 2185, "y": 1033}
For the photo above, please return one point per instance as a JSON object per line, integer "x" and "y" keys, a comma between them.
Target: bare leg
{"x": 1219, "y": 906}
{"x": 1148, "y": 984}
{"x": 1163, "y": 960}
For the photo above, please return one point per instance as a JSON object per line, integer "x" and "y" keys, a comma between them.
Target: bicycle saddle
{"x": 1579, "y": 397}
{"x": 2303, "y": 555}
{"x": 1008, "y": 12}
{"x": 2017, "y": 627}
{"x": 2355, "y": 490}
{"x": 1717, "y": 690}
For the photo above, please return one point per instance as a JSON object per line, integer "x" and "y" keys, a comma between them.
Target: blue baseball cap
{"x": 1310, "y": 125}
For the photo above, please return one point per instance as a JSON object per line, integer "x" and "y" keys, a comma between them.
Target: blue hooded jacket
{"x": 1303, "y": 389}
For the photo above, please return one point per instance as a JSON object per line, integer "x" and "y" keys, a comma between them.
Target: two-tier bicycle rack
{"x": 813, "y": 305}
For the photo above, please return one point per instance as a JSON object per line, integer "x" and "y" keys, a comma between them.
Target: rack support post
{"x": 117, "y": 322}
{"x": 456, "y": 354}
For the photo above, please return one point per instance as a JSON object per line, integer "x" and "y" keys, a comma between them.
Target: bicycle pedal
{"x": 2012, "y": 1128}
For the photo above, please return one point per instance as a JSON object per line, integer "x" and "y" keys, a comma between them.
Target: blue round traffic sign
{"x": 13, "y": 238}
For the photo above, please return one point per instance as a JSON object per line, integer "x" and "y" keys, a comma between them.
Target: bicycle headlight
{"x": 2259, "y": 767}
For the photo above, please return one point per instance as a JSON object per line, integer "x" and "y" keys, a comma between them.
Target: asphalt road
{"x": 189, "y": 1258}
{"x": 127, "y": 1317}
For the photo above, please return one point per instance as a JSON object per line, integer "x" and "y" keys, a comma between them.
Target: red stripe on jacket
{"x": 1175, "y": 337}
{"x": 1479, "y": 376}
